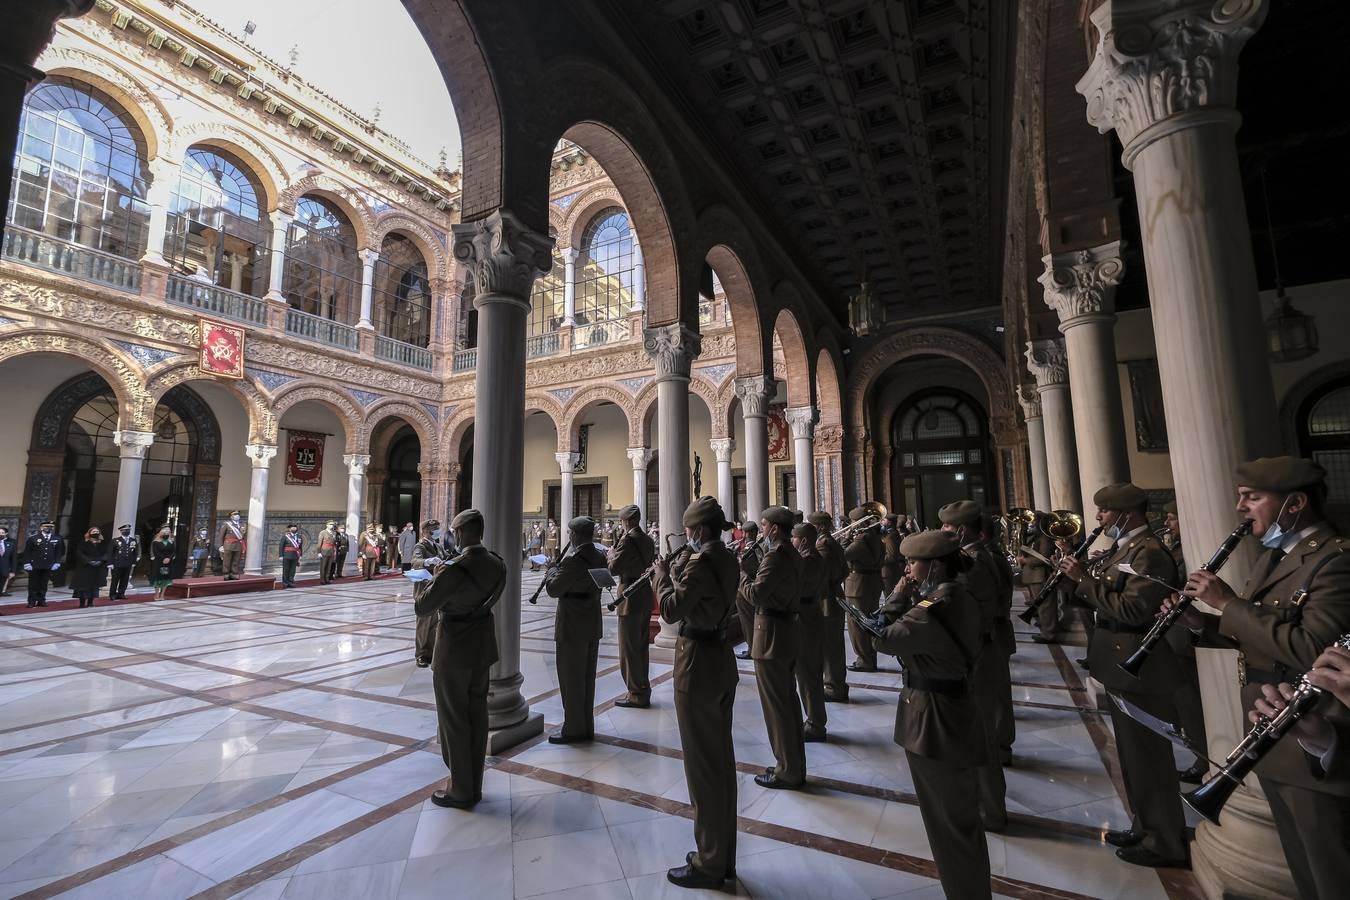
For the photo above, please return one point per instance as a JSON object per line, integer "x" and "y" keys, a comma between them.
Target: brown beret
{"x": 778, "y": 515}
{"x": 930, "y": 544}
{"x": 583, "y": 526}
{"x": 805, "y": 530}
{"x": 1123, "y": 496}
{"x": 467, "y": 518}
{"x": 1280, "y": 473}
{"x": 630, "y": 512}
{"x": 1170, "y": 507}
{"x": 705, "y": 511}
{"x": 959, "y": 512}
{"x": 821, "y": 520}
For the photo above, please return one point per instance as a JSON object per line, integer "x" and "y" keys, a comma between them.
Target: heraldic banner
{"x": 222, "y": 349}
{"x": 304, "y": 457}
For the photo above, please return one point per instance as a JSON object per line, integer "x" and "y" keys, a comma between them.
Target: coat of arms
{"x": 222, "y": 349}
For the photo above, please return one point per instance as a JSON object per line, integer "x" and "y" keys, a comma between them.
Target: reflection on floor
{"x": 282, "y": 745}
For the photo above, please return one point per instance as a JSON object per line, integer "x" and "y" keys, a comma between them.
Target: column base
{"x": 1246, "y": 862}
{"x": 667, "y": 636}
{"x": 503, "y": 739}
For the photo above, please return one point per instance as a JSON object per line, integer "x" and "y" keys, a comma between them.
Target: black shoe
{"x": 770, "y": 780}
{"x": 42, "y": 602}
{"x": 815, "y": 737}
{"x": 859, "y": 666}
{"x": 686, "y": 876}
{"x": 1123, "y": 838}
{"x": 730, "y": 873}
{"x": 442, "y": 799}
{"x": 561, "y": 738}
{"x": 1195, "y": 774}
{"x": 1082, "y": 662}
{"x": 1140, "y": 856}
{"x": 423, "y": 663}
{"x": 836, "y": 698}
{"x": 740, "y": 654}
{"x": 626, "y": 703}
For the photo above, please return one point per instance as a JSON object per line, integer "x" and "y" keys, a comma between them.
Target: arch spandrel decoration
{"x": 136, "y": 406}
{"x": 548, "y": 406}
{"x": 452, "y": 436}
{"x": 343, "y": 406}
{"x": 718, "y": 403}
{"x": 584, "y": 400}
{"x": 261, "y": 162}
{"x": 262, "y": 420}
{"x": 417, "y": 418}
{"x": 150, "y": 115}
{"x": 346, "y": 198}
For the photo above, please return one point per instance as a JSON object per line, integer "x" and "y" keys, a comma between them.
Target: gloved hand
{"x": 432, "y": 561}
{"x": 55, "y": 566}
{"x": 28, "y": 567}
{"x": 880, "y": 622}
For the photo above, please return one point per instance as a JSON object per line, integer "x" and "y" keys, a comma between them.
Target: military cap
{"x": 929, "y": 545}
{"x": 431, "y": 524}
{"x": 630, "y": 512}
{"x": 705, "y": 511}
{"x": 120, "y": 527}
{"x": 1170, "y": 507}
{"x": 857, "y": 513}
{"x": 292, "y": 525}
{"x": 330, "y": 525}
{"x": 47, "y": 524}
{"x": 806, "y": 531}
{"x": 821, "y": 520}
{"x": 1123, "y": 496}
{"x": 234, "y": 512}
{"x": 959, "y": 512}
{"x": 777, "y": 515}
{"x": 467, "y": 519}
{"x": 583, "y": 527}
{"x": 1280, "y": 473}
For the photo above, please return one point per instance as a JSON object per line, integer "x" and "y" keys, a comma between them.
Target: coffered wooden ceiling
{"x": 873, "y": 131}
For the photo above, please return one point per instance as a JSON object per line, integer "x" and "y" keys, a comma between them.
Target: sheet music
{"x": 863, "y": 619}
{"x": 1158, "y": 726}
{"x": 1130, "y": 570}
{"x": 1030, "y": 551}
{"x": 602, "y": 578}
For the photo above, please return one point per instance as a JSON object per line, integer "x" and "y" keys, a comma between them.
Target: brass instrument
{"x": 665, "y": 561}
{"x": 548, "y": 572}
{"x": 876, "y": 515}
{"x": 1208, "y": 799}
{"x": 1016, "y": 525}
{"x": 1069, "y": 524}
{"x": 1135, "y": 662}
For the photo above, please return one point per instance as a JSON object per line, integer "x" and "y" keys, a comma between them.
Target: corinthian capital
{"x": 1082, "y": 282}
{"x": 1048, "y": 362}
{"x": 802, "y": 420}
{"x": 1156, "y": 61}
{"x": 754, "y": 392}
{"x": 1030, "y": 401}
{"x": 722, "y": 449}
{"x": 356, "y": 463}
{"x": 261, "y": 454}
{"x": 673, "y": 348}
{"x": 503, "y": 255}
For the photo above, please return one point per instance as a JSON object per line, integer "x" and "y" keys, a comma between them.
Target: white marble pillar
{"x": 368, "y": 259}
{"x": 1080, "y": 287}
{"x": 505, "y": 258}
{"x": 261, "y": 456}
{"x": 673, "y": 349}
{"x": 567, "y": 465}
{"x": 569, "y": 256}
{"x": 356, "y": 493}
{"x": 755, "y": 392}
{"x": 132, "y": 447}
{"x": 802, "y": 420}
{"x": 1047, "y": 361}
{"x": 276, "y": 270}
{"x": 641, "y": 458}
{"x": 1030, "y": 399}
{"x": 163, "y": 179}
{"x": 723, "y": 449}
{"x": 639, "y": 278}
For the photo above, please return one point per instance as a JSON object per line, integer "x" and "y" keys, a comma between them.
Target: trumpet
{"x": 1209, "y": 799}
{"x": 1029, "y": 615}
{"x": 876, "y": 515}
{"x": 1135, "y": 662}
{"x": 548, "y": 572}
{"x": 665, "y": 561}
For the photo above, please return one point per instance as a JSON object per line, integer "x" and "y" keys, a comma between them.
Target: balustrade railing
{"x": 465, "y": 360}
{"x": 217, "y": 301}
{"x": 542, "y": 345}
{"x": 317, "y": 328}
{"x": 596, "y": 334}
{"x": 55, "y": 255}
{"x": 401, "y": 352}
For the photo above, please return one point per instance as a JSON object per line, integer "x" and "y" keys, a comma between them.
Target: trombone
{"x": 876, "y": 515}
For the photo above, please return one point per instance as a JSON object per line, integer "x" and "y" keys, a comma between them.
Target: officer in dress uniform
{"x": 43, "y": 554}
{"x": 811, "y": 650}
{"x": 937, "y": 722}
{"x": 776, "y": 596}
{"x": 230, "y": 544}
{"x": 427, "y": 553}
{"x": 892, "y": 563}
{"x": 832, "y": 623}
{"x": 125, "y": 553}
{"x": 751, "y": 553}
{"x": 1125, "y": 606}
{"x": 629, "y": 557}
{"x": 327, "y": 551}
{"x": 577, "y": 628}
{"x": 341, "y": 545}
{"x": 1296, "y": 603}
{"x": 292, "y": 546}
{"x": 461, "y": 597}
{"x": 1190, "y": 712}
{"x": 1034, "y": 576}
{"x": 368, "y": 549}
{"x": 700, "y": 599}
{"x": 863, "y": 555}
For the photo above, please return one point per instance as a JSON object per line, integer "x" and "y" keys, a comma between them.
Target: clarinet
{"x": 1136, "y": 660}
{"x": 1208, "y": 799}
{"x": 665, "y": 561}
{"x": 1028, "y": 615}
{"x": 548, "y": 573}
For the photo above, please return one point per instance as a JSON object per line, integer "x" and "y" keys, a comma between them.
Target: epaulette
{"x": 695, "y": 555}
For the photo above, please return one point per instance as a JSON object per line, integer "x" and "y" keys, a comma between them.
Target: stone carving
{"x": 49, "y": 432}
{"x": 1030, "y": 400}
{"x": 149, "y": 357}
{"x": 566, "y": 200}
{"x": 260, "y": 454}
{"x": 1082, "y": 283}
{"x": 673, "y": 348}
{"x": 430, "y": 244}
{"x": 273, "y": 174}
{"x": 133, "y": 444}
{"x": 346, "y": 410}
{"x": 1048, "y": 362}
{"x": 713, "y": 346}
{"x": 135, "y": 404}
{"x": 417, "y": 418}
{"x": 754, "y": 392}
{"x": 1149, "y": 67}
{"x": 829, "y": 439}
{"x": 144, "y": 106}
{"x": 567, "y": 460}
{"x": 802, "y": 420}
{"x": 107, "y": 311}
{"x": 356, "y": 463}
{"x": 200, "y": 419}
{"x": 261, "y": 350}
{"x": 355, "y": 206}
{"x": 261, "y": 419}
{"x": 503, "y": 255}
{"x": 722, "y": 449}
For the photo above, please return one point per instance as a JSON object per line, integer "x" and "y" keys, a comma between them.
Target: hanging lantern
{"x": 1290, "y": 334}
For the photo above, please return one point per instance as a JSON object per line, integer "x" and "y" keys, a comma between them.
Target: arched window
{"x": 605, "y": 268}
{"x": 215, "y": 230}
{"x": 323, "y": 271}
{"x": 468, "y": 316}
{"x": 941, "y": 454}
{"x": 1324, "y": 435}
{"x": 79, "y": 174}
{"x": 402, "y": 300}
{"x": 547, "y": 302}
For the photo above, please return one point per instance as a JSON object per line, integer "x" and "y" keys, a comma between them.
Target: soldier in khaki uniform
{"x": 1004, "y": 638}
{"x": 811, "y": 650}
{"x": 832, "y": 624}
{"x": 862, "y": 586}
{"x": 700, "y": 599}
{"x": 776, "y": 596}
{"x": 577, "y": 628}
{"x": 1125, "y": 607}
{"x": 747, "y": 560}
{"x": 1296, "y": 603}
{"x": 427, "y": 554}
{"x": 961, "y": 519}
{"x": 1034, "y": 576}
{"x": 937, "y": 721}
{"x": 461, "y": 597}
{"x": 327, "y": 548}
{"x": 230, "y": 546}
{"x": 1190, "y": 712}
{"x": 628, "y": 559}
{"x": 892, "y": 563}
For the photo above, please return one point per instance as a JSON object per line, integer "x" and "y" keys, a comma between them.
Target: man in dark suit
{"x": 292, "y": 547}
{"x": 126, "y": 551}
{"x": 6, "y": 561}
{"x": 43, "y": 554}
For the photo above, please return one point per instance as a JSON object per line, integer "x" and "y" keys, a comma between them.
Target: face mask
{"x": 928, "y": 585}
{"x": 436, "y": 535}
{"x": 695, "y": 544}
{"x": 1275, "y": 535}
{"x": 46, "y": 531}
{"x": 234, "y": 519}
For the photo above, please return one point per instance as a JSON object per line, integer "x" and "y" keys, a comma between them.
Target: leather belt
{"x": 775, "y": 613}
{"x": 703, "y": 635}
{"x": 1121, "y": 627}
{"x": 465, "y": 618}
{"x": 947, "y": 687}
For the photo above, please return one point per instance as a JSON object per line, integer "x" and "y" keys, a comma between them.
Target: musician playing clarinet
{"x": 630, "y": 557}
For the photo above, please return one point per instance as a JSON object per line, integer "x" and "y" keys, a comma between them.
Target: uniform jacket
{"x": 370, "y": 545}
{"x": 1033, "y": 570}
{"x": 406, "y": 542}
{"x": 811, "y": 571}
{"x": 631, "y": 555}
{"x": 980, "y": 581}
{"x": 863, "y": 556}
{"x": 1134, "y": 603}
{"x": 997, "y": 561}
{"x": 42, "y": 552}
{"x": 327, "y": 542}
{"x": 835, "y": 569}
{"x": 423, "y": 550}
{"x": 938, "y": 638}
{"x": 463, "y": 594}
{"x": 701, "y": 595}
{"x": 578, "y": 616}
{"x": 776, "y": 596}
{"x": 291, "y": 546}
{"x": 125, "y": 551}
{"x": 892, "y": 563}
{"x": 748, "y": 567}
{"x": 341, "y": 542}
{"x": 230, "y": 533}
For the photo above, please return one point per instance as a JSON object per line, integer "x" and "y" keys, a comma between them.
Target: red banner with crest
{"x": 222, "y": 349}
{"x": 304, "y": 457}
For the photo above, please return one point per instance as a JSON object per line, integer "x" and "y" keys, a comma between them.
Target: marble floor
{"x": 282, "y": 745}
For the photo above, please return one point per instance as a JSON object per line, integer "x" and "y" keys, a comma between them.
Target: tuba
{"x": 1016, "y": 525}
{"x": 876, "y": 514}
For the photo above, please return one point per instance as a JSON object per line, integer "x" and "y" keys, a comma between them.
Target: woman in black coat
{"x": 91, "y": 567}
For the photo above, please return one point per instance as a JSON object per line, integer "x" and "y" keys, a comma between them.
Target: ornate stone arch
{"x": 262, "y": 163}
{"x": 452, "y": 435}
{"x": 262, "y": 422}
{"x": 585, "y": 208}
{"x": 714, "y": 399}
{"x": 345, "y": 198}
{"x": 422, "y": 236}
{"x": 550, "y": 407}
{"x": 338, "y": 401}
{"x": 829, "y": 396}
{"x": 418, "y": 418}
{"x": 731, "y": 252}
{"x": 584, "y": 400}
{"x": 557, "y": 221}
{"x": 136, "y": 406}
{"x": 797, "y": 362}
{"x": 150, "y": 115}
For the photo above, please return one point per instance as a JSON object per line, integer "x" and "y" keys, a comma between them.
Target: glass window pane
{"x": 1331, "y": 415}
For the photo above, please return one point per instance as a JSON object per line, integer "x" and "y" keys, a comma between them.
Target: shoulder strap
{"x": 1301, "y": 595}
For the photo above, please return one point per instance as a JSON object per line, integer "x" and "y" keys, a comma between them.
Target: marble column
{"x": 1047, "y": 361}
{"x": 505, "y": 258}
{"x": 163, "y": 179}
{"x": 356, "y": 489}
{"x": 368, "y": 259}
{"x": 755, "y": 392}
{"x": 1164, "y": 78}
{"x": 132, "y": 446}
{"x": 261, "y": 456}
{"x": 673, "y": 349}
{"x": 276, "y": 270}
{"x": 1080, "y": 287}
{"x": 569, "y": 256}
{"x": 1030, "y": 399}
{"x": 723, "y": 449}
{"x": 802, "y": 420}
{"x": 639, "y": 278}
{"x": 567, "y": 465}
{"x": 641, "y": 458}
{"x": 452, "y": 475}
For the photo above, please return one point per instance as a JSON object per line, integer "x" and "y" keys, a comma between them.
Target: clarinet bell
{"x": 1209, "y": 798}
